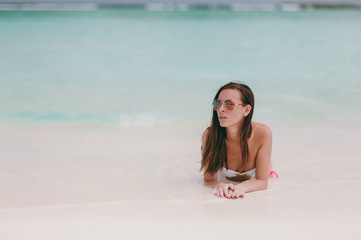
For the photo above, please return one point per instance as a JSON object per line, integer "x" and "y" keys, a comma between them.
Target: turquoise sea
{"x": 127, "y": 67}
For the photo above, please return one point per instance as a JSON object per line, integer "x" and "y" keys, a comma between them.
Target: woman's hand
{"x": 223, "y": 189}
{"x": 239, "y": 191}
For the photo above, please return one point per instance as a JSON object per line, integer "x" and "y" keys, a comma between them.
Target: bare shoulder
{"x": 262, "y": 132}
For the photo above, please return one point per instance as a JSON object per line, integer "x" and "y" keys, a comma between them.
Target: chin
{"x": 223, "y": 125}
{"x": 228, "y": 124}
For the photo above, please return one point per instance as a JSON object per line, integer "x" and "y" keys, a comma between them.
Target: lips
{"x": 222, "y": 117}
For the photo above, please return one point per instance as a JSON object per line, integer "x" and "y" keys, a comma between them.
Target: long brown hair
{"x": 215, "y": 153}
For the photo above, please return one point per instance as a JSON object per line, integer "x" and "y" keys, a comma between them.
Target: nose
{"x": 221, "y": 108}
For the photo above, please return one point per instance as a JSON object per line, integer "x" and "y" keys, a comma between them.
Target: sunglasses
{"x": 228, "y": 104}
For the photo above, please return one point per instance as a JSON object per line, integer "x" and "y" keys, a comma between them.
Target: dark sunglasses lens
{"x": 229, "y": 105}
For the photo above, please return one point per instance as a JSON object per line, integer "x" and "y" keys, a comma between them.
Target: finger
{"x": 235, "y": 194}
{"x": 241, "y": 195}
{"x": 216, "y": 192}
{"x": 226, "y": 193}
{"x": 231, "y": 186}
{"x": 229, "y": 195}
{"x": 221, "y": 192}
{"x": 224, "y": 188}
{"x": 230, "y": 192}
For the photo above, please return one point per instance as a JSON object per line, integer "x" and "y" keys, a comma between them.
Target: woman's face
{"x": 229, "y": 118}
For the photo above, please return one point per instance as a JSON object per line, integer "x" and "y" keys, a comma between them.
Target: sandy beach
{"x": 92, "y": 182}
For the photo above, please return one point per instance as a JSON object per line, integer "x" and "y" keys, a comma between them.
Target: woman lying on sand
{"x": 235, "y": 146}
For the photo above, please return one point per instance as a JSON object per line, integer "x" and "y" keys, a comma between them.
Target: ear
{"x": 248, "y": 110}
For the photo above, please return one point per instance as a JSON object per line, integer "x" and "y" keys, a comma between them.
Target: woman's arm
{"x": 262, "y": 166}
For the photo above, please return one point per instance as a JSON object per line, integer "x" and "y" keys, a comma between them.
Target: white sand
{"x": 93, "y": 182}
